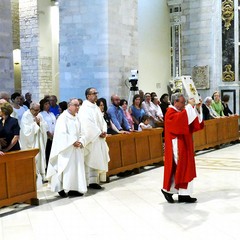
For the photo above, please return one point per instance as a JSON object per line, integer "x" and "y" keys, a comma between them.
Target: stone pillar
{"x": 201, "y": 43}
{"x": 204, "y": 47}
{"x": 6, "y": 47}
{"x": 29, "y": 42}
{"x": 98, "y": 46}
{"x": 35, "y": 47}
{"x": 122, "y": 44}
{"x": 176, "y": 34}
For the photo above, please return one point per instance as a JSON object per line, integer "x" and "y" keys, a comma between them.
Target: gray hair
{"x": 34, "y": 105}
{"x": 5, "y": 95}
{"x": 207, "y": 99}
{"x": 176, "y": 96}
{"x": 70, "y": 101}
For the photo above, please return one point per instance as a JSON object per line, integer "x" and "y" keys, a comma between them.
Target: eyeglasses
{"x": 75, "y": 105}
{"x": 94, "y": 93}
{"x": 36, "y": 110}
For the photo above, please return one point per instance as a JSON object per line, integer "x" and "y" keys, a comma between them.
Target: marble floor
{"x": 134, "y": 208}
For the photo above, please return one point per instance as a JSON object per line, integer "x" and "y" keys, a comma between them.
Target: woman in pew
{"x": 226, "y": 109}
{"x": 208, "y": 111}
{"x": 50, "y": 120}
{"x": 127, "y": 112}
{"x": 164, "y": 103}
{"x": 111, "y": 128}
{"x": 9, "y": 129}
{"x": 217, "y": 104}
{"x": 136, "y": 111}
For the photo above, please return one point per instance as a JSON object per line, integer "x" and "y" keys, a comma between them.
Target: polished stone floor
{"x": 134, "y": 208}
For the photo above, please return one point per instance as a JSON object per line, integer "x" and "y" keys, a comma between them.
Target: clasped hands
{"x": 78, "y": 144}
{"x": 37, "y": 120}
{"x": 3, "y": 142}
{"x": 103, "y": 135}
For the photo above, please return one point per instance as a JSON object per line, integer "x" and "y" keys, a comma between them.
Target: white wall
{"x": 48, "y": 45}
{"x": 154, "y": 46}
{"x": 55, "y": 48}
{"x": 45, "y": 35}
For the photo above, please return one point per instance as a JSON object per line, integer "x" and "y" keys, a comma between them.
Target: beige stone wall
{"x": 45, "y": 76}
{"x": 201, "y": 39}
{"x": 36, "y": 64}
{"x": 6, "y": 47}
{"x": 123, "y": 44}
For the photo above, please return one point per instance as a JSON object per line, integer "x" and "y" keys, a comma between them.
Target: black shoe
{"x": 168, "y": 196}
{"x": 94, "y": 186}
{"x": 186, "y": 199}
{"x": 74, "y": 194}
{"x": 62, "y": 194}
{"x": 125, "y": 174}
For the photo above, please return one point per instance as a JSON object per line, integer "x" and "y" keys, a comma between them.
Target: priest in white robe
{"x": 65, "y": 171}
{"x": 33, "y": 135}
{"x": 94, "y": 129}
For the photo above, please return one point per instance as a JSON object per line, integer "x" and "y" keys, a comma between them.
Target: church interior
{"x": 57, "y": 47}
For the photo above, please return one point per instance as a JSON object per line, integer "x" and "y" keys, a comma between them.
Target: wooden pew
{"x": 18, "y": 177}
{"x": 134, "y": 150}
{"x": 216, "y": 132}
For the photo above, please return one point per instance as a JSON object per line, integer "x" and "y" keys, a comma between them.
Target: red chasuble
{"x": 176, "y": 125}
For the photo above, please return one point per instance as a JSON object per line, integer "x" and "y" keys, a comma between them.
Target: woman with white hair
{"x": 208, "y": 111}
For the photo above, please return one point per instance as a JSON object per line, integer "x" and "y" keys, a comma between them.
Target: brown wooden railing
{"x": 216, "y": 132}
{"x": 137, "y": 149}
{"x": 18, "y": 177}
{"x": 134, "y": 150}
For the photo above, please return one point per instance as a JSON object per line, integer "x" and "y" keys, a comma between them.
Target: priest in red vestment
{"x": 179, "y": 166}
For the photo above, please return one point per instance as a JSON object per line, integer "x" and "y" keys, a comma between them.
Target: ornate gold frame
{"x": 228, "y": 74}
{"x": 227, "y": 12}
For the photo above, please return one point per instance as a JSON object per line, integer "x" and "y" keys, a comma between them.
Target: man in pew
{"x": 94, "y": 129}
{"x": 179, "y": 165}
{"x": 116, "y": 114}
{"x": 66, "y": 163}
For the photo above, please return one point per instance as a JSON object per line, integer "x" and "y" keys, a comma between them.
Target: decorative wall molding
{"x": 228, "y": 38}
{"x": 227, "y": 12}
{"x": 200, "y": 76}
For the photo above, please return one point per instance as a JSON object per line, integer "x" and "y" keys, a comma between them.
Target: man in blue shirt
{"x": 54, "y": 108}
{"x": 117, "y": 116}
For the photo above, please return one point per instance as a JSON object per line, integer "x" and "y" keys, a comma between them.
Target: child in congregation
{"x": 145, "y": 123}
